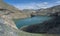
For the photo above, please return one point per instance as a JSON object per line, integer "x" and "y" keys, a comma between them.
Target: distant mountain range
{"x": 28, "y": 10}
{"x": 49, "y": 10}
{"x": 42, "y": 11}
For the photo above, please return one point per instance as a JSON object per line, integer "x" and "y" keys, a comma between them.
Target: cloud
{"x": 42, "y": 5}
{"x": 35, "y": 5}
{"x": 32, "y": 5}
{"x": 25, "y": 6}
{"x": 58, "y": 2}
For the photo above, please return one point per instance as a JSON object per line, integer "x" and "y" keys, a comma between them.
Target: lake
{"x": 30, "y": 21}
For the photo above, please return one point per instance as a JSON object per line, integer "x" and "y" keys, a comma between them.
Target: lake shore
{"x": 48, "y": 27}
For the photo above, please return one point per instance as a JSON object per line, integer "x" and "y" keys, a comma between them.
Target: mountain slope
{"x": 49, "y": 10}
{"x": 13, "y": 12}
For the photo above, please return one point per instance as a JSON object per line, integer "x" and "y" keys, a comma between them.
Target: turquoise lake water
{"x": 30, "y": 21}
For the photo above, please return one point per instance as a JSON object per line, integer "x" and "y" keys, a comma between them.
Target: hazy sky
{"x": 33, "y": 4}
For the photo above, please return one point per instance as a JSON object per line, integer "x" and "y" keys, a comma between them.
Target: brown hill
{"x": 11, "y": 11}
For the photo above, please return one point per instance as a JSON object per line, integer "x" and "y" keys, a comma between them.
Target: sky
{"x": 32, "y": 4}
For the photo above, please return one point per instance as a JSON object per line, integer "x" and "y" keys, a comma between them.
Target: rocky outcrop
{"x": 8, "y": 21}
{"x": 7, "y": 27}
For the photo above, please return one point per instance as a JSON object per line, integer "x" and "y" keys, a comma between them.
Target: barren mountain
{"x": 11, "y": 11}
{"x": 49, "y": 10}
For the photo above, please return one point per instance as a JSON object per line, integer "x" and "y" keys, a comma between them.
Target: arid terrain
{"x": 9, "y": 12}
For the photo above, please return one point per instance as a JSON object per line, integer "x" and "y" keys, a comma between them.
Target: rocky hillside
{"x": 7, "y": 28}
{"x": 48, "y": 11}
{"x": 11, "y": 11}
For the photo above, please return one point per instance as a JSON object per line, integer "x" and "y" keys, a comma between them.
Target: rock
{"x": 7, "y": 30}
